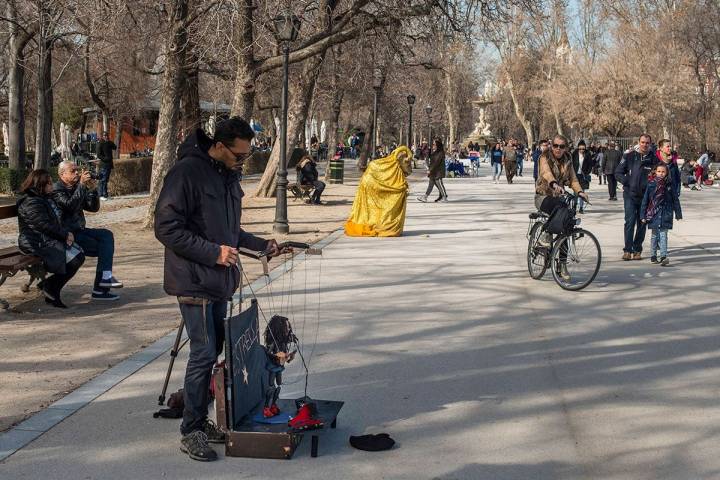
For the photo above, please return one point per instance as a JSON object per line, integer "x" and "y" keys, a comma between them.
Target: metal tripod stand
{"x": 173, "y": 353}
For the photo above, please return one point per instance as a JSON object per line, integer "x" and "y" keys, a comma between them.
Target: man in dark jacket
{"x": 633, "y": 171}
{"x": 542, "y": 148}
{"x": 105, "y": 155}
{"x": 75, "y": 193}
{"x": 197, "y": 218}
{"x": 582, "y": 163}
{"x": 611, "y": 159}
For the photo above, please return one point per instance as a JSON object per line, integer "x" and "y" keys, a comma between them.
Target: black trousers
{"x": 436, "y": 182}
{"x": 57, "y": 281}
{"x": 548, "y": 205}
{"x": 319, "y": 188}
{"x": 206, "y": 330}
{"x": 612, "y": 185}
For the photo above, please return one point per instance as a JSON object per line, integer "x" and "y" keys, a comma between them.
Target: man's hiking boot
{"x": 653, "y": 259}
{"x": 627, "y": 256}
{"x": 563, "y": 272}
{"x": 637, "y": 256}
{"x": 213, "y": 432}
{"x": 195, "y": 444}
{"x": 664, "y": 261}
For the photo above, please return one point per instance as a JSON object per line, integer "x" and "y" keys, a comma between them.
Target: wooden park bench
{"x": 12, "y": 260}
{"x": 301, "y": 192}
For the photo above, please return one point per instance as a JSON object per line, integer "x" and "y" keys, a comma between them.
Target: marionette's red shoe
{"x": 274, "y": 409}
{"x": 306, "y": 418}
{"x": 268, "y": 412}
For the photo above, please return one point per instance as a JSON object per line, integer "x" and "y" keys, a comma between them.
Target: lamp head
{"x": 287, "y": 27}
{"x": 411, "y": 99}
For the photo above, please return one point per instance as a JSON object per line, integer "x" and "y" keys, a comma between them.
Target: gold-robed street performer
{"x": 197, "y": 219}
{"x": 381, "y": 198}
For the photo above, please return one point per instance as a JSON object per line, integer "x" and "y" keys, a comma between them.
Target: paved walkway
{"x": 441, "y": 339}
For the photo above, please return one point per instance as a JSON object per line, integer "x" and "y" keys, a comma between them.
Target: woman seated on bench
{"x": 42, "y": 234}
{"x": 308, "y": 175}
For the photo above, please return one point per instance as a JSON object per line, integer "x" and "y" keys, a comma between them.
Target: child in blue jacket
{"x": 660, "y": 202}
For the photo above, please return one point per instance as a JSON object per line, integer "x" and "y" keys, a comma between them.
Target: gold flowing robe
{"x": 381, "y": 198}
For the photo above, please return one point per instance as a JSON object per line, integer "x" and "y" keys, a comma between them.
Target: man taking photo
{"x": 197, "y": 218}
{"x": 74, "y": 194}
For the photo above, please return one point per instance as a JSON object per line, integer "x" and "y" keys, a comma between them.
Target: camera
{"x": 94, "y": 176}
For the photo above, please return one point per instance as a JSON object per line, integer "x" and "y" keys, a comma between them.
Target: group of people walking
{"x": 650, "y": 178}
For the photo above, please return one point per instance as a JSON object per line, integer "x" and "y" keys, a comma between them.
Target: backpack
{"x": 561, "y": 221}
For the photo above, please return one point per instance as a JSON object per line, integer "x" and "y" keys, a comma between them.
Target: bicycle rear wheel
{"x": 576, "y": 259}
{"x": 536, "y": 254}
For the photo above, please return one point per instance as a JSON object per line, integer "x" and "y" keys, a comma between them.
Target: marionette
{"x": 281, "y": 347}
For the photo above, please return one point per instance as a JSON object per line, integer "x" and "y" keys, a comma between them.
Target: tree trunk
{"x": 558, "y": 121}
{"x": 450, "y": 109}
{"x": 16, "y": 91}
{"x": 43, "y": 141}
{"x": 191, "y": 117}
{"x": 167, "y": 133}
{"x": 520, "y": 113}
{"x": 246, "y": 75}
{"x": 299, "y": 104}
{"x": 118, "y": 135}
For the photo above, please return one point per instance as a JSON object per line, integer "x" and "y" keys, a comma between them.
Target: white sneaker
{"x": 103, "y": 198}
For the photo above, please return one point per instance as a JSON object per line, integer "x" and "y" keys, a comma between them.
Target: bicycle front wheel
{"x": 536, "y": 254}
{"x": 576, "y": 258}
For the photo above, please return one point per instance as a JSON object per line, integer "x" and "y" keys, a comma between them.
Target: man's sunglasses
{"x": 559, "y": 146}
{"x": 239, "y": 157}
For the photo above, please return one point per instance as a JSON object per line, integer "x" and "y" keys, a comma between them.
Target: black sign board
{"x": 247, "y": 364}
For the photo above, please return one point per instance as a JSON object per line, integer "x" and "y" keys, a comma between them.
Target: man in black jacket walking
{"x": 633, "y": 171}
{"x": 611, "y": 159}
{"x": 197, "y": 218}
{"x": 105, "y": 155}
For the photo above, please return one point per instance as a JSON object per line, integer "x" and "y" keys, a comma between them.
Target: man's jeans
{"x": 100, "y": 243}
{"x": 634, "y": 228}
{"x": 103, "y": 181}
{"x": 520, "y": 165}
{"x": 206, "y": 331}
{"x": 659, "y": 241}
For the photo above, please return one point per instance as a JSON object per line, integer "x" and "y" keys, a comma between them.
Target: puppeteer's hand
{"x": 228, "y": 256}
{"x": 584, "y": 196}
{"x": 557, "y": 189}
{"x": 275, "y": 249}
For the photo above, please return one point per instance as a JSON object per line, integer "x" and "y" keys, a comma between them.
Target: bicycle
{"x": 573, "y": 256}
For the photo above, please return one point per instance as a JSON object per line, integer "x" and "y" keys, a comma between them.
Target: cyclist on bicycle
{"x": 555, "y": 171}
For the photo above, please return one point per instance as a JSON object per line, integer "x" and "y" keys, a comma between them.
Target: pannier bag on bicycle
{"x": 560, "y": 221}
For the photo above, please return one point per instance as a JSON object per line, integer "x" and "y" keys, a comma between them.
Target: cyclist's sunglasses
{"x": 559, "y": 146}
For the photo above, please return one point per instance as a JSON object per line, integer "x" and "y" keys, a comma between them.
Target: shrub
{"x": 11, "y": 179}
{"x": 130, "y": 175}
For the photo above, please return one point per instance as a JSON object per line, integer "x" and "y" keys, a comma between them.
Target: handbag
{"x": 560, "y": 221}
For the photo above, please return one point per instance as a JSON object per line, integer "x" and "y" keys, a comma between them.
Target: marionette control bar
{"x": 266, "y": 253}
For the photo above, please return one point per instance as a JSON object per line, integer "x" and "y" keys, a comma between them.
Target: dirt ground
{"x": 48, "y": 352}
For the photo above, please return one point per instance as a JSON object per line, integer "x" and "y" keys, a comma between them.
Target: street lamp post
{"x": 287, "y": 27}
{"x": 377, "y": 85}
{"x": 411, "y": 102}
{"x": 428, "y": 110}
